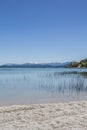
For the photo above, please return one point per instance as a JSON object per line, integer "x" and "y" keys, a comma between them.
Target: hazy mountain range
{"x": 36, "y": 65}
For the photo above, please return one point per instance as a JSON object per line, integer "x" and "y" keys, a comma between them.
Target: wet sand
{"x": 59, "y": 116}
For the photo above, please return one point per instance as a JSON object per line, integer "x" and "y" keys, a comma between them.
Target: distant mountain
{"x": 38, "y": 65}
{"x": 81, "y": 64}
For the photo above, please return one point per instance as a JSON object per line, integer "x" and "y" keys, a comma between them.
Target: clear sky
{"x": 42, "y": 30}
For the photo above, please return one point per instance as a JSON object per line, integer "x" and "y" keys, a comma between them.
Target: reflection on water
{"x": 33, "y": 85}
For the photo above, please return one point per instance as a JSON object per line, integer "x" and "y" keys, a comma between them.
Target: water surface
{"x": 42, "y": 85}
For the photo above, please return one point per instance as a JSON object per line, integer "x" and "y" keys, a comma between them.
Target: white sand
{"x": 61, "y": 116}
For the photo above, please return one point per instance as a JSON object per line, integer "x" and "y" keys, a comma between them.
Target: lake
{"x": 42, "y": 85}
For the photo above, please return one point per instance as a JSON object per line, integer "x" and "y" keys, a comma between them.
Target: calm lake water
{"x": 42, "y": 85}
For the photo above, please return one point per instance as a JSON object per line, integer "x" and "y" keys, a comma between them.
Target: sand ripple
{"x": 61, "y": 116}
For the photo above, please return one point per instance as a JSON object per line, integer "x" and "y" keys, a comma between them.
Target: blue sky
{"x": 42, "y": 30}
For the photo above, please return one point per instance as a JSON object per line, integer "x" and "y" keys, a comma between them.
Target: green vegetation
{"x": 81, "y": 64}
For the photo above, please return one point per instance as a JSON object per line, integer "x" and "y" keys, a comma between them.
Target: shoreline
{"x": 50, "y": 116}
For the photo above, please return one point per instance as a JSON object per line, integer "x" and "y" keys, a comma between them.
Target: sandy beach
{"x": 60, "y": 116}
